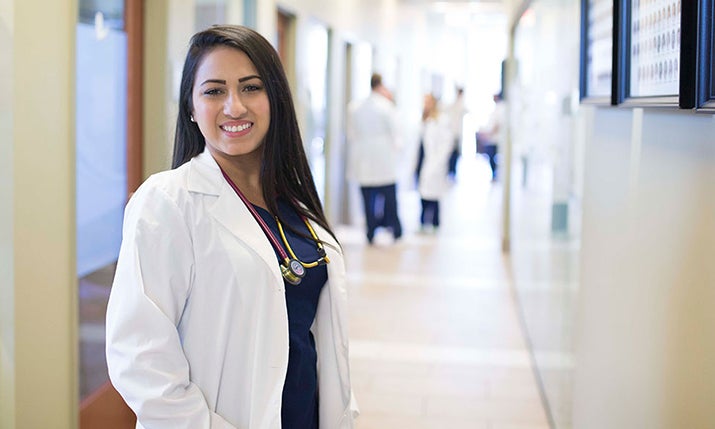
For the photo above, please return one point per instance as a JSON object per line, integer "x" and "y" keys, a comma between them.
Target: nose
{"x": 233, "y": 106}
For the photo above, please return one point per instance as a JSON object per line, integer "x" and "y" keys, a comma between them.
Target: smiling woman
{"x": 212, "y": 320}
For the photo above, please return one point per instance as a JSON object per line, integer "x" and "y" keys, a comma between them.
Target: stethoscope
{"x": 292, "y": 268}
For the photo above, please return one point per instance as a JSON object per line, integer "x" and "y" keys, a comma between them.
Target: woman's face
{"x": 231, "y": 105}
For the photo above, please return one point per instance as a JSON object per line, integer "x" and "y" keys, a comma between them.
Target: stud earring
{"x": 192, "y": 118}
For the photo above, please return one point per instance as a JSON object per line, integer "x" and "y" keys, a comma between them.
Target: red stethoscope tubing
{"x": 266, "y": 230}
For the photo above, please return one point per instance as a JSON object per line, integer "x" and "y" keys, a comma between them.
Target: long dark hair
{"x": 285, "y": 171}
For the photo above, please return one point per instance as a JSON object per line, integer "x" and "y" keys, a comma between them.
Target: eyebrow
{"x": 223, "y": 82}
{"x": 253, "y": 76}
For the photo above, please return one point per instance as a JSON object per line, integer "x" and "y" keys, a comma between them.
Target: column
{"x": 38, "y": 291}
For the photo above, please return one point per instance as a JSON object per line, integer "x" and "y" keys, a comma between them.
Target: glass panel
{"x": 317, "y": 62}
{"x": 101, "y": 145}
{"x": 109, "y": 12}
{"x": 250, "y": 13}
{"x": 210, "y": 12}
{"x": 545, "y": 171}
{"x": 101, "y": 85}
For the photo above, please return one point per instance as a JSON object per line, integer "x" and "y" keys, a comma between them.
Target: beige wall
{"x": 646, "y": 331}
{"x": 157, "y": 89}
{"x": 168, "y": 26}
{"x": 38, "y": 327}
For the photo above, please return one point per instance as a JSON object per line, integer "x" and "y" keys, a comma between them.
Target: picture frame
{"x": 699, "y": 56}
{"x": 649, "y": 53}
{"x": 597, "y": 53}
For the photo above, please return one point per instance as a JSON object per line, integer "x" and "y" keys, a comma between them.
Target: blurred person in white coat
{"x": 491, "y": 135}
{"x": 438, "y": 139}
{"x": 213, "y": 321}
{"x": 456, "y": 112}
{"x": 373, "y": 157}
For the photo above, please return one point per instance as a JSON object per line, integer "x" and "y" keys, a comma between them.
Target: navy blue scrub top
{"x": 300, "y": 391}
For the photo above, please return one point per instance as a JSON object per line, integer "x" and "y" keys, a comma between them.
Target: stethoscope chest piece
{"x": 293, "y": 272}
{"x": 292, "y": 269}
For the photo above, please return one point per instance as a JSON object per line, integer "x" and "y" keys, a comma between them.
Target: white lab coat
{"x": 197, "y": 326}
{"x": 437, "y": 140}
{"x": 456, "y": 112}
{"x": 373, "y": 141}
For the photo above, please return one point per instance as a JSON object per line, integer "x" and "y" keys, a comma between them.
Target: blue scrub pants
{"x": 381, "y": 209}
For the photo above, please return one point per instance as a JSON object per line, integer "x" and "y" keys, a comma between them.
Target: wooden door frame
{"x": 134, "y": 27}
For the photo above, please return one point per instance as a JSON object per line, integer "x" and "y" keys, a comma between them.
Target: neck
{"x": 246, "y": 175}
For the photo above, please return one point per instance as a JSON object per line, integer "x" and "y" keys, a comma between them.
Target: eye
{"x": 252, "y": 87}
{"x": 213, "y": 91}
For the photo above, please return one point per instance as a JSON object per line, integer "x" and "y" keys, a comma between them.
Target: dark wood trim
{"x": 105, "y": 409}
{"x": 134, "y": 26}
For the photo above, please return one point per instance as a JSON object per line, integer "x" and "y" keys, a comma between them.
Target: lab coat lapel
{"x": 229, "y": 210}
{"x": 337, "y": 281}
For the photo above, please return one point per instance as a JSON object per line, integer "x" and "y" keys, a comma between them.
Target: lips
{"x": 236, "y": 128}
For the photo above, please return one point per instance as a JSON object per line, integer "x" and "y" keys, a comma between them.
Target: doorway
{"x": 108, "y": 156}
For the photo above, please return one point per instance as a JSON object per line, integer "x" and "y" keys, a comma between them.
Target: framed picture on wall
{"x": 597, "y": 51}
{"x": 649, "y": 46}
{"x": 698, "y": 56}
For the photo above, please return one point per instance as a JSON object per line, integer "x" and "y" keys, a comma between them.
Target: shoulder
{"x": 353, "y": 105}
{"x": 383, "y": 102}
{"x": 169, "y": 181}
{"x": 437, "y": 128}
{"x": 160, "y": 192}
{"x": 442, "y": 119}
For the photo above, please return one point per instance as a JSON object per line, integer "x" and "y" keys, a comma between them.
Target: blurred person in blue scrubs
{"x": 372, "y": 158}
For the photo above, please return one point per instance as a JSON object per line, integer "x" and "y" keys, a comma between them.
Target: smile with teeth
{"x": 235, "y": 128}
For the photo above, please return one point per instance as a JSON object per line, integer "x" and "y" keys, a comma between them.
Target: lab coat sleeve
{"x": 152, "y": 283}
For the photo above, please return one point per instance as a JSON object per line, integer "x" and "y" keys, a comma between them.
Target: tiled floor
{"x": 437, "y": 339}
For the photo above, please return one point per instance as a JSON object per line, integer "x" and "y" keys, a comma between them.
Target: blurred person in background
{"x": 372, "y": 157}
{"x": 438, "y": 142}
{"x": 489, "y": 136}
{"x": 456, "y": 112}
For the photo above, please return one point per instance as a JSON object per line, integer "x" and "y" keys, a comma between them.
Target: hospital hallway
{"x": 437, "y": 338}
{"x": 574, "y": 292}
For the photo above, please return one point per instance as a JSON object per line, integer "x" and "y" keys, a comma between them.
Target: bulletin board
{"x": 650, "y": 52}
